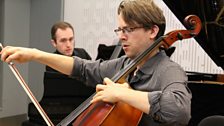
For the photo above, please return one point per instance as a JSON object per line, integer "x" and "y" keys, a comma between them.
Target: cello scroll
{"x": 191, "y": 22}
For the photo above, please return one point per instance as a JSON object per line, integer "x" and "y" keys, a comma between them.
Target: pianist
{"x": 63, "y": 40}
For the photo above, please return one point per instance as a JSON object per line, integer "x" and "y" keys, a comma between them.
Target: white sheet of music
{"x": 94, "y": 22}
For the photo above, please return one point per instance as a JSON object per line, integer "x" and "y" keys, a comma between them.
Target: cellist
{"x": 158, "y": 85}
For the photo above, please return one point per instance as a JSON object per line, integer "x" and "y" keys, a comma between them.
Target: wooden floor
{"x": 13, "y": 121}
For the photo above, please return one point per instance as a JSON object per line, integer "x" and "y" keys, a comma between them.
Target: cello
{"x": 107, "y": 114}
{"x": 102, "y": 113}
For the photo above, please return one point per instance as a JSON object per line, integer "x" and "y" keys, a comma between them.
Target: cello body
{"x": 105, "y": 114}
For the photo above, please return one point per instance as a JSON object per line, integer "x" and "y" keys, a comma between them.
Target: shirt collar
{"x": 150, "y": 65}
{"x": 57, "y": 52}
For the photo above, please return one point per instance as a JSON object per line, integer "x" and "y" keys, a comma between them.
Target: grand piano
{"x": 207, "y": 88}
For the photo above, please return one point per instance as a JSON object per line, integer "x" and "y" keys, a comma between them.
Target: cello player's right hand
{"x": 17, "y": 54}
{"x": 62, "y": 63}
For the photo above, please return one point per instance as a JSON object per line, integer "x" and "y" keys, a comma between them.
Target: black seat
{"x": 216, "y": 120}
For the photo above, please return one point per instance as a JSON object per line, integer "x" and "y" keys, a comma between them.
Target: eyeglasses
{"x": 126, "y": 30}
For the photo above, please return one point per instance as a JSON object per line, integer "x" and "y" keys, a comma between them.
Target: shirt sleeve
{"x": 173, "y": 102}
{"x": 93, "y": 72}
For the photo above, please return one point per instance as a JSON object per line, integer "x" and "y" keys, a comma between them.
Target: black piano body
{"x": 207, "y": 88}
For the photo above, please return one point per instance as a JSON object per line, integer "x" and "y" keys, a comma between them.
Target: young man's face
{"x": 64, "y": 41}
{"x": 136, "y": 41}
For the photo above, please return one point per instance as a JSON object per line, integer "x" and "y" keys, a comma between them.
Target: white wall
{"x": 94, "y": 22}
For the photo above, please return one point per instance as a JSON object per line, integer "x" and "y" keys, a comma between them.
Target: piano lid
{"x": 211, "y": 13}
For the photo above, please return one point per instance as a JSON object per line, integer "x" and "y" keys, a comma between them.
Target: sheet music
{"x": 94, "y": 23}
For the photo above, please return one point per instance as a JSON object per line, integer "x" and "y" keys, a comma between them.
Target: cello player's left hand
{"x": 110, "y": 91}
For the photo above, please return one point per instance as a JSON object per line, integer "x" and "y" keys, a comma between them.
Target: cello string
{"x": 81, "y": 108}
{"x": 28, "y": 92}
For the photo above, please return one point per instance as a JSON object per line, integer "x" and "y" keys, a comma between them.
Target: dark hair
{"x": 59, "y": 25}
{"x": 142, "y": 12}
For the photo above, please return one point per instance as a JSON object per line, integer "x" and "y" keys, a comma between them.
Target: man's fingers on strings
{"x": 107, "y": 81}
{"x": 96, "y": 97}
{"x": 100, "y": 87}
{"x": 126, "y": 85}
